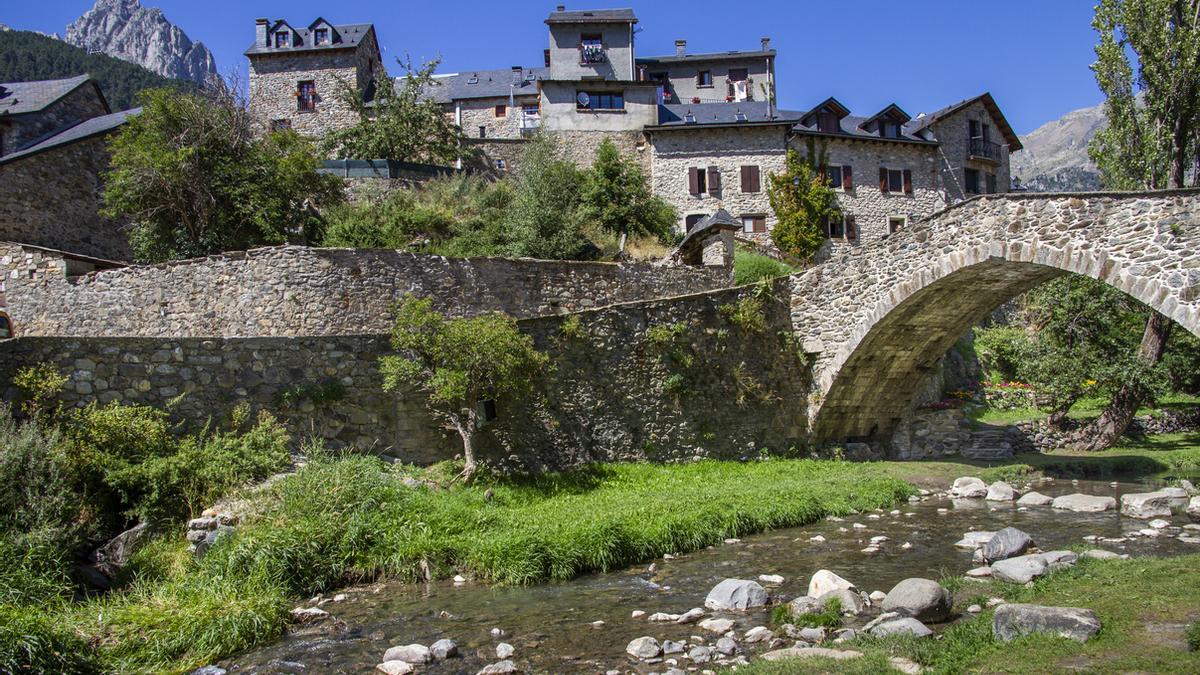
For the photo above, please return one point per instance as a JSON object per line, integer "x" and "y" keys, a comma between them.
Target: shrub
{"x": 1000, "y": 351}
{"x": 39, "y": 385}
{"x": 36, "y": 495}
{"x": 747, "y": 314}
{"x": 751, "y": 267}
{"x": 1193, "y": 637}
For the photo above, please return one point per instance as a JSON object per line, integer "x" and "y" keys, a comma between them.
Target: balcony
{"x": 984, "y": 150}
{"x": 529, "y": 124}
{"x": 592, "y": 54}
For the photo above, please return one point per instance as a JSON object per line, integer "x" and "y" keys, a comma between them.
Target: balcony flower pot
{"x": 695, "y": 99}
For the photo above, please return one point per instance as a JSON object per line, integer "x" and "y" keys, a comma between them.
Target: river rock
{"x": 672, "y": 647}
{"x": 773, "y": 579}
{"x": 504, "y": 651}
{"x": 717, "y": 625}
{"x": 877, "y": 596}
{"x": 1016, "y": 620}
{"x": 1193, "y": 509}
{"x": 1058, "y": 559}
{"x": 416, "y": 654}
{"x": 902, "y": 625}
{"x": 975, "y": 539}
{"x": 851, "y": 601}
{"x": 310, "y": 615}
{"x": 812, "y": 634}
{"x": 691, "y": 616}
{"x": 1006, "y": 543}
{"x": 499, "y": 668}
{"x": 727, "y": 646}
{"x": 758, "y": 634}
{"x": 394, "y": 668}
{"x": 443, "y": 649}
{"x": 1081, "y": 503}
{"x": 114, "y": 555}
{"x": 824, "y": 581}
{"x": 922, "y": 599}
{"x": 663, "y": 617}
{"x": 1034, "y": 499}
{"x": 1100, "y": 554}
{"x": 736, "y": 594}
{"x": 644, "y": 647}
{"x": 1019, "y": 570}
{"x": 804, "y": 605}
{"x": 1146, "y": 504}
{"x": 979, "y": 572}
{"x": 808, "y": 652}
{"x": 1000, "y": 492}
{"x": 1178, "y": 495}
{"x": 968, "y": 487}
{"x": 700, "y": 654}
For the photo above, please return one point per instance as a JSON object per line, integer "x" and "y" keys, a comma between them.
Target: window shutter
{"x": 746, "y": 183}
{"x": 847, "y": 178}
{"x": 693, "y": 181}
{"x": 883, "y": 179}
{"x": 714, "y": 180}
{"x": 755, "y": 179}
{"x": 851, "y": 229}
{"x": 908, "y": 188}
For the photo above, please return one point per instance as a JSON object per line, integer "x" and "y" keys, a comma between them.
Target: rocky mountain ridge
{"x": 1055, "y": 157}
{"x": 128, "y": 31}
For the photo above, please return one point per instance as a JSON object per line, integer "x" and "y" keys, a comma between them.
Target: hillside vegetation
{"x": 26, "y": 56}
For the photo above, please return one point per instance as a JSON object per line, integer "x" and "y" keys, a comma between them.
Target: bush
{"x": 751, "y": 267}
{"x": 36, "y": 495}
{"x": 1000, "y": 352}
{"x": 1193, "y": 637}
{"x": 39, "y": 385}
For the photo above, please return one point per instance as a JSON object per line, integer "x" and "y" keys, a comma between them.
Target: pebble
{"x": 817, "y": 538}
{"x": 770, "y": 579}
{"x": 716, "y": 625}
{"x": 1159, "y": 523}
{"x": 496, "y": 632}
{"x": 597, "y": 624}
{"x": 878, "y": 539}
{"x": 341, "y": 597}
{"x": 459, "y": 580}
{"x": 859, "y": 526}
{"x": 733, "y": 541}
{"x": 974, "y": 609}
{"x": 758, "y": 634}
{"x": 636, "y": 614}
{"x": 906, "y": 546}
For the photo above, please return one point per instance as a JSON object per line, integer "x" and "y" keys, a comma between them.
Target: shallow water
{"x": 550, "y": 625}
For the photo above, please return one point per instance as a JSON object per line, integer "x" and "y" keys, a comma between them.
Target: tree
{"x": 803, "y": 202}
{"x": 1147, "y": 144}
{"x": 617, "y": 197}
{"x": 402, "y": 123}
{"x": 194, "y": 178}
{"x": 544, "y": 219}
{"x": 458, "y": 364}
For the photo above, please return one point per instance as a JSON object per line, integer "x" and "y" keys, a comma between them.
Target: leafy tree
{"x": 803, "y": 202}
{"x": 459, "y": 364}
{"x": 616, "y": 196}
{"x": 544, "y": 219}
{"x": 401, "y": 123}
{"x": 195, "y": 178}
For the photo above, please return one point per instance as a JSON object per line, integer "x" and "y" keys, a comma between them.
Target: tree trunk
{"x": 466, "y": 429}
{"x": 1112, "y": 423}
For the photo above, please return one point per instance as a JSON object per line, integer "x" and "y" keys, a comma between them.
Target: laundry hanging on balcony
{"x": 741, "y": 90}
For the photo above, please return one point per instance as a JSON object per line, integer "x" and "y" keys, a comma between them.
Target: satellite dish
{"x": 583, "y": 99}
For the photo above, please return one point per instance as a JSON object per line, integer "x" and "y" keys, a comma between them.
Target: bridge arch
{"x": 909, "y": 298}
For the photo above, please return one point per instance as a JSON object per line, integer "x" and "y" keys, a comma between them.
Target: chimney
{"x": 680, "y": 47}
{"x": 560, "y": 8}
{"x": 260, "y": 32}
{"x": 518, "y": 74}
{"x": 766, "y": 44}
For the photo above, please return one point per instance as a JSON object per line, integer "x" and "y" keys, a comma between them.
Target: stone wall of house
{"x": 953, "y": 132}
{"x": 480, "y": 113}
{"x": 580, "y": 146}
{"x": 24, "y": 130}
{"x": 684, "y": 83}
{"x": 728, "y": 149}
{"x": 22, "y": 262}
{"x": 53, "y": 199}
{"x": 295, "y": 290}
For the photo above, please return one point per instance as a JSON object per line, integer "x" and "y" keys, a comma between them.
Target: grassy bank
{"x": 339, "y": 521}
{"x": 1145, "y": 607}
{"x": 1084, "y": 409}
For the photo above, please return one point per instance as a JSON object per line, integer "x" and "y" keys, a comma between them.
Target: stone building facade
{"x": 975, "y": 142}
{"x": 732, "y": 77}
{"x": 31, "y": 112}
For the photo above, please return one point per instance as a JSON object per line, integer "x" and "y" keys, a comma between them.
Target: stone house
{"x": 299, "y": 77}
{"x": 721, "y": 77}
{"x": 31, "y": 112}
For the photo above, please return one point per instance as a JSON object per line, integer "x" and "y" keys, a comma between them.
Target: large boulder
{"x": 736, "y": 594}
{"x": 904, "y": 625}
{"x": 1193, "y": 509}
{"x": 1019, "y": 570}
{"x": 1006, "y": 543}
{"x": 968, "y": 487}
{"x": 115, "y": 554}
{"x": 919, "y": 598}
{"x": 414, "y": 653}
{"x": 1034, "y": 499}
{"x": 850, "y": 601}
{"x": 394, "y": 668}
{"x": 1146, "y": 505}
{"x": 810, "y": 652}
{"x": 1000, "y": 492}
{"x": 443, "y": 649}
{"x": 644, "y": 647}
{"x": 1081, "y": 503}
{"x": 824, "y": 581}
{"x": 1017, "y": 620}
{"x": 974, "y": 539}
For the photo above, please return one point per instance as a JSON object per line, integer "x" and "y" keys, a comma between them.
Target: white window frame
{"x": 903, "y": 223}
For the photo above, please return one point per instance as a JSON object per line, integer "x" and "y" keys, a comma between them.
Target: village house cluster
{"x": 706, "y": 127}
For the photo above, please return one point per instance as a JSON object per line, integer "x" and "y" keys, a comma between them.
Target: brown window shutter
{"x": 847, "y": 178}
{"x": 746, "y": 182}
{"x": 883, "y": 179}
{"x": 714, "y": 180}
{"x": 908, "y": 189}
{"x": 851, "y": 228}
{"x": 693, "y": 181}
{"x": 757, "y": 175}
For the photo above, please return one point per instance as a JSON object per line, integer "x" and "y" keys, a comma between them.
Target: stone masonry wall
{"x": 24, "y": 130}
{"x": 478, "y": 113}
{"x": 53, "y": 199}
{"x": 293, "y": 290}
{"x": 953, "y": 133}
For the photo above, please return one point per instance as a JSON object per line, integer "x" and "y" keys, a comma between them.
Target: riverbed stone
{"x": 1193, "y": 509}
{"x": 691, "y": 616}
{"x": 644, "y": 647}
{"x": 504, "y": 651}
{"x": 414, "y": 653}
{"x": 1019, "y": 570}
{"x": 1034, "y": 499}
{"x": 1000, "y": 492}
{"x": 1059, "y": 559}
{"x": 1006, "y": 543}
{"x": 877, "y": 596}
{"x": 673, "y": 647}
{"x": 804, "y": 605}
{"x": 968, "y": 487}
{"x": 773, "y": 579}
{"x": 499, "y": 668}
{"x": 974, "y": 539}
{"x": 736, "y": 594}
{"x": 810, "y": 652}
{"x": 902, "y": 625}
{"x": 443, "y": 649}
{"x": 1146, "y": 505}
{"x": 851, "y": 602}
{"x": 922, "y": 599}
{"x": 1081, "y": 503}
{"x": 310, "y": 615}
{"x": 727, "y": 646}
{"x": 717, "y": 625}
{"x": 700, "y": 654}
{"x": 979, "y": 572}
{"x": 394, "y": 668}
{"x": 824, "y": 581}
{"x": 758, "y": 634}
{"x": 1016, "y": 620}
{"x": 1100, "y": 554}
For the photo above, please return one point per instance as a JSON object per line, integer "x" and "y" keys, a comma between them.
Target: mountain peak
{"x": 128, "y": 31}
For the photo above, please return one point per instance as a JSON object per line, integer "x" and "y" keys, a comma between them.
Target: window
{"x": 755, "y": 223}
{"x": 482, "y": 131}
{"x": 895, "y": 180}
{"x": 5, "y": 327}
{"x": 664, "y": 86}
{"x": 971, "y": 182}
{"x": 751, "y": 179}
{"x": 834, "y": 175}
{"x": 501, "y": 110}
{"x": 281, "y": 124}
{"x": 896, "y": 223}
{"x": 281, "y": 39}
{"x": 987, "y": 133}
{"x": 693, "y": 220}
{"x": 827, "y": 122}
{"x": 530, "y": 109}
{"x": 599, "y": 100}
{"x": 889, "y": 130}
{"x": 322, "y": 36}
{"x": 738, "y": 74}
{"x": 738, "y": 84}
{"x": 972, "y": 129}
{"x": 835, "y": 228}
{"x": 501, "y": 165}
{"x": 991, "y": 184}
{"x": 306, "y": 96}
{"x": 591, "y": 48}
{"x": 697, "y": 181}
{"x": 704, "y": 78}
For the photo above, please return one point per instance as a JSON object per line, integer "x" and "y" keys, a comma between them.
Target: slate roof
{"x": 25, "y": 97}
{"x": 1014, "y": 142}
{"x": 709, "y": 114}
{"x": 346, "y": 36}
{"x": 86, "y": 129}
{"x": 489, "y": 84}
{"x": 593, "y": 16}
{"x": 711, "y": 56}
{"x": 850, "y": 127}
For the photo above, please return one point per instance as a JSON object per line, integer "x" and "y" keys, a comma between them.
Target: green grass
{"x": 749, "y": 267}
{"x": 1143, "y": 605}
{"x": 1084, "y": 409}
{"x": 830, "y": 616}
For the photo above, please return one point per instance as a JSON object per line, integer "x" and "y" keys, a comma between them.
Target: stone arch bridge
{"x": 878, "y": 317}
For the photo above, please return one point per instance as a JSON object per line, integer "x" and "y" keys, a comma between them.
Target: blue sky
{"x": 1033, "y": 55}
